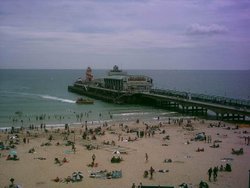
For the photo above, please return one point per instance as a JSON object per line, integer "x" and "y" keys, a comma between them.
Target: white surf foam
{"x": 57, "y": 99}
{"x": 131, "y": 114}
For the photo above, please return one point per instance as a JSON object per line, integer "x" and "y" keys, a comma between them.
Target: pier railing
{"x": 183, "y": 102}
{"x": 238, "y": 103}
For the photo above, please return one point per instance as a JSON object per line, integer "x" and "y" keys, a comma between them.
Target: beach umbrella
{"x": 116, "y": 152}
{"x": 77, "y": 176}
{"x": 13, "y": 137}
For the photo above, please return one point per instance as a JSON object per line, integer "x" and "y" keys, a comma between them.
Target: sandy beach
{"x": 171, "y": 150}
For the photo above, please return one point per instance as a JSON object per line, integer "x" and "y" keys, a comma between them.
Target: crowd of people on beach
{"x": 20, "y": 119}
{"x": 214, "y": 171}
{"x": 91, "y": 133}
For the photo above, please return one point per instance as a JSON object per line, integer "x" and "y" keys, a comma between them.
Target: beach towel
{"x": 68, "y": 151}
{"x": 99, "y": 174}
{"x": 116, "y": 174}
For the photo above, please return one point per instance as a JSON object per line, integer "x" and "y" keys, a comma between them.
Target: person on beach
{"x": 215, "y": 171}
{"x": 93, "y": 159}
{"x": 146, "y": 157}
{"x": 12, "y": 185}
{"x": 221, "y": 168}
{"x": 56, "y": 179}
{"x": 57, "y": 161}
{"x": 210, "y": 173}
{"x": 24, "y": 140}
{"x": 74, "y": 148}
{"x": 65, "y": 160}
{"x": 151, "y": 171}
{"x": 210, "y": 139}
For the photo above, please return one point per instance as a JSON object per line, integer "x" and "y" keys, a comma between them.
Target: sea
{"x": 35, "y": 97}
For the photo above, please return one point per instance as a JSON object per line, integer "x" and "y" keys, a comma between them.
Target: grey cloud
{"x": 197, "y": 29}
{"x": 132, "y": 32}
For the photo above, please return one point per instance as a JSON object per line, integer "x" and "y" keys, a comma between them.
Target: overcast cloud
{"x": 134, "y": 34}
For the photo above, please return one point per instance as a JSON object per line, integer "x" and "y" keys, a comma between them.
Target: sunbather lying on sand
{"x": 200, "y": 150}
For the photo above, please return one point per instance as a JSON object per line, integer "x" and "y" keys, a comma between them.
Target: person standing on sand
{"x": 215, "y": 171}
{"x": 210, "y": 173}
{"x": 73, "y": 148}
{"x": 146, "y": 157}
{"x": 151, "y": 171}
{"x": 93, "y": 159}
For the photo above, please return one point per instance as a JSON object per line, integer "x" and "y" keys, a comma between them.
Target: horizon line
{"x": 123, "y": 69}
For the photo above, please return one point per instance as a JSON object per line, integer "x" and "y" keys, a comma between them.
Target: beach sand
{"x": 187, "y": 166}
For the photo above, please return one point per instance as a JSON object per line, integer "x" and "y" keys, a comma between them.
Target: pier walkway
{"x": 205, "y": 98}
{"x": 236, "y": 110}
{"x": 183, "y": 102}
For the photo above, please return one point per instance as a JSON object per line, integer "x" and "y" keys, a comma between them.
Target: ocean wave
{"x": 57, "y": 99}
{"x": 131, "y": 114}
{"x": 167, "y": 113}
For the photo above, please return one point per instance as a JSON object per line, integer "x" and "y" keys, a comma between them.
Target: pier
{"x": 182, "y": 102}
{"x": 121, "y": 88}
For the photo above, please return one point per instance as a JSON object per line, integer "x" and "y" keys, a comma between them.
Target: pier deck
{"x": 200, "y": 107}
{"x": 194, "y": 104}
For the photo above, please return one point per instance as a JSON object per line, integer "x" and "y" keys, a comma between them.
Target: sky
{"x": 133, "y": 34}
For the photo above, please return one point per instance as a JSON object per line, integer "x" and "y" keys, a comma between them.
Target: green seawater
{"x": 28, "y": 95}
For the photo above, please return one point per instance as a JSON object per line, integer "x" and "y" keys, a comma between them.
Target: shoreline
{"x": 62, "y": 119}
{"x": 101, "y": 121}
